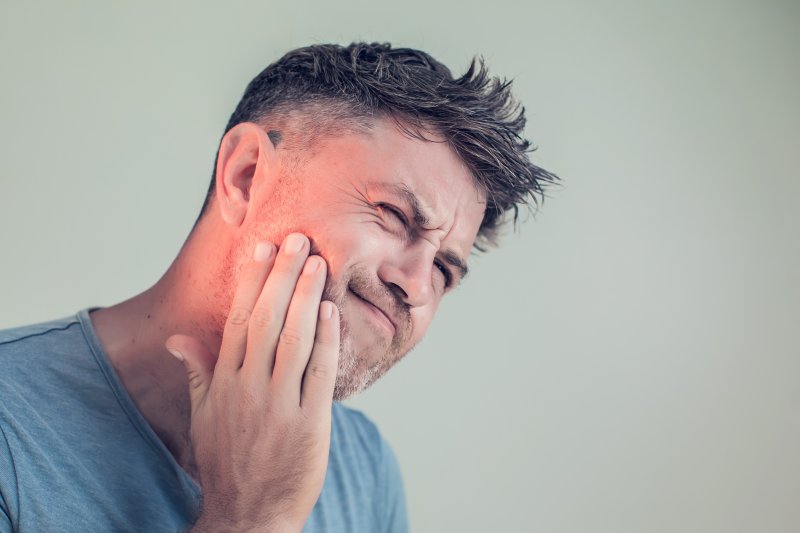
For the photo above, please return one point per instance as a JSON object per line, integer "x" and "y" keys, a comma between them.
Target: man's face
{"x": 395, "y": 219}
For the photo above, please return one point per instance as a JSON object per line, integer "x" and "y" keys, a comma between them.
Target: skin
{"x": 249, "y": 334}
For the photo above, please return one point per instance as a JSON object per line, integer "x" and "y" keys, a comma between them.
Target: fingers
{"x": 320, "y": 373}
{"x": 297, "y": 336}
{"x": 271, "y": 309}
{"x": 251, "y": 281}
{"x": 275, "y": 333}
{"x": 199, "y": 364}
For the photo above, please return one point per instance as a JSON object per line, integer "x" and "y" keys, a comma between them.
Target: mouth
{"x": 377, "y": 313}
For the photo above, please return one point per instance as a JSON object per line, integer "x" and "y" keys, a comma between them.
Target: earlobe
{"x": 245, "y": 163}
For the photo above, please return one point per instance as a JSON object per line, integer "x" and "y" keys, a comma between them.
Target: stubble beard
{"x": 357, "y": 371}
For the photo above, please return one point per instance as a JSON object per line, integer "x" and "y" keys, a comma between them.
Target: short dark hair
{"x": 476, "y": 113}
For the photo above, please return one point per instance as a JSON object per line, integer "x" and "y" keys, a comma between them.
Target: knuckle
{"x": 320, "y": 371}
{"x": 292, "y": 337}
{"x": 238, "y": 316}
{"x": 195, "y": 380}
{"x": 263, "y": 317}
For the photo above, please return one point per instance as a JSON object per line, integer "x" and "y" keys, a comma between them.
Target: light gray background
{"x": 627, "y": 362}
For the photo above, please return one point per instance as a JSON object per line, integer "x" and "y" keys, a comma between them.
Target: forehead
{"x": 385, "y": 159}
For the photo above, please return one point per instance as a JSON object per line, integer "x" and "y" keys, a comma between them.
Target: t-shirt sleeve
{"x": 395, "y": 500}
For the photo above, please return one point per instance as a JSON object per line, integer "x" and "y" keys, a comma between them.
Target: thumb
{"x": 199, "y": 364}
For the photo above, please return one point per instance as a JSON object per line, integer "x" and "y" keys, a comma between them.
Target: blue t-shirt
{"x": 77, "y": 455}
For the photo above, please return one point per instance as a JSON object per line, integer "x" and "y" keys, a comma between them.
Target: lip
{"x": 380, "y": 316}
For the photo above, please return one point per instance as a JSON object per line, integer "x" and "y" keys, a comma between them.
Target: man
{"x": 350, "y": 186}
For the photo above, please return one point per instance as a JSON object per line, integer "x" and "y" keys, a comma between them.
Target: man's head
{"x": 392, "y": 167}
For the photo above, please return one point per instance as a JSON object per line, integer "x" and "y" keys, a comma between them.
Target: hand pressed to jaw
{"x": 253, "y": 276}
{"x": 270, "y": 312}
{"x": 261, "y": 417}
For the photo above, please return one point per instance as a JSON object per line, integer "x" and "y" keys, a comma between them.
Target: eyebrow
{"x": 423, "y": 219}
{"x": 456, "y": 262}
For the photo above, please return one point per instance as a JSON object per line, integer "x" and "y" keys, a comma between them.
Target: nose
{"x": 410, "y": 276}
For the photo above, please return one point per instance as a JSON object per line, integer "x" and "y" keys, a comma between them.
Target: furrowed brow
{"x": 422, "y": 219}
{"x": 452, "y": 259}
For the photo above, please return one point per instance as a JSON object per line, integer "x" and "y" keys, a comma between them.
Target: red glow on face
{"x": 346, "y": 200}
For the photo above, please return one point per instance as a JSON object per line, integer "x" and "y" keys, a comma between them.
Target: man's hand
{"x": 261, "y": 417}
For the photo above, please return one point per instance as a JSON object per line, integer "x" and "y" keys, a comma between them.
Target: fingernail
{"x": 326, "y": 310}
{"x": 263, "y": 251}
{"x": 178, "y": 355}
{"x": 294, "y": 243}
{"x": 312, "y": 265}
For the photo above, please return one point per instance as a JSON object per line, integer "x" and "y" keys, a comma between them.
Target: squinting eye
{"x": 448, "y": 278}
{"x": 394, "y": 212}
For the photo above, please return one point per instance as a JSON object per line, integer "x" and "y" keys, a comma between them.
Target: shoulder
{"x": 43, "y": 362}
{"x": 33, "y": 332}
{"x": 25, "y": 350}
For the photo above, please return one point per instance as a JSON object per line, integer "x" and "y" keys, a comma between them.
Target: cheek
{"x": 344, "y": 246}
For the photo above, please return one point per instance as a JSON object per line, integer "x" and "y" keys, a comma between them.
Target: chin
{"x": 357, "y": 372}
{"x": 348, "y": 386}
{"x": 367, "y": 351}
{"x": 354, "y": 374}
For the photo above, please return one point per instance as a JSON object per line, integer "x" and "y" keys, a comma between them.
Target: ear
{"x": 246, "y": 153}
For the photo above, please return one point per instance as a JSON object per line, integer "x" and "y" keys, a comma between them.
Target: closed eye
{"x": 401, "y": 218}
{"x": 399, "y": 215}
{"x": 448, "y": 277}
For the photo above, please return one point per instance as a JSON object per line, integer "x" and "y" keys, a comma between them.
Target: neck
{"x": 185, "y": 300}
